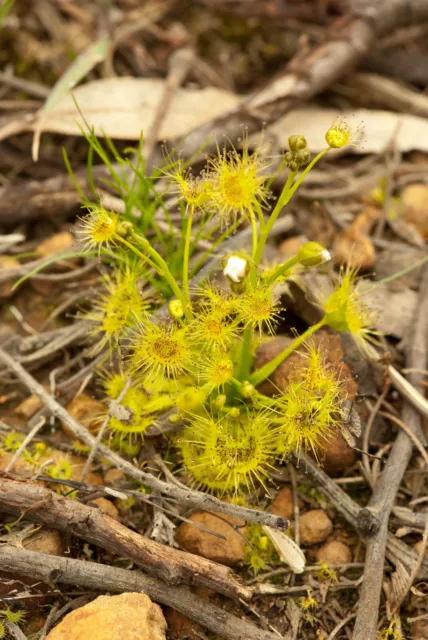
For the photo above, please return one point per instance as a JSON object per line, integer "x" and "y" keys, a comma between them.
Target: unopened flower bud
{"x": 302, "y": 157}
{"x": 288, "y": 156}
{"x": 312, "y": 254}
{"x": 125, "y": 229}
{"x": 236, "y": 268}
{"x": 141, "y": 241}
{"x": 297, "y": 142}
{"x": 234, "y": 412}
{"x": 293, "y": 166}
{"x": 174, "y": 418}
{"x": 220, "y": 401}
{"x": 247, "y": 389}
{"x": 176, "y": 309}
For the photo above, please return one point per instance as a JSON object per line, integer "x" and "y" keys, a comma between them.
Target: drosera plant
{"x": 140, "y": 195}
{"x": 202, "y": 355}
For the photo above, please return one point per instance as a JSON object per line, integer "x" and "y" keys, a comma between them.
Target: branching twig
{"x": 373, "y": 521}
{"x": 99, "y": 577}
{"x": 37, "y": 503}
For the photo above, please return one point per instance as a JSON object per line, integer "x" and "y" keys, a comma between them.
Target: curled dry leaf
{"x": 288, "y": 551}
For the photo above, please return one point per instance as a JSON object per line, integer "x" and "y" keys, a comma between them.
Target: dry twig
{"x": 37, "y": 503}
{"x": 373, "y": 520}
{"x": 91, "y": 575}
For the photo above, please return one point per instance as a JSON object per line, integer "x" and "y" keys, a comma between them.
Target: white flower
{"x": 236, "y": 268}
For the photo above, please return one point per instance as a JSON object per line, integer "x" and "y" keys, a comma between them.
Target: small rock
{"x": 28, "y": 407}
{"x": 57, "y": 242}
{"x": 334, "y": 552}
{"x": 353, "y": 246}
{"x": 419, "y": 630}
{"x": 195, "y": 540}
{"x": 106, "y": 506}
{"x": 289, "y": 247}
{"x": 128, "y": 616}
{"x": 45, "y": 541}
{"x": 282, "y": 504}
{"x": 354, "y": 250}
{"x": 20, "y": 465}
{"x": 336, "y": 456}
{"x": 6, "y": 287}
{"x": 113, "y": 477}
{"x": 414, "y": 207}
{"x": 86, "y": 410}
{"x": 315, "y": 527}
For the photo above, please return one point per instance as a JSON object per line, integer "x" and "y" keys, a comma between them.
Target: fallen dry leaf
{"x": 124, "y": 107}
{"x": 380, "y": 129}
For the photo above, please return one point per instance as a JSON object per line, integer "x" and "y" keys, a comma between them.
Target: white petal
{"x": 325, "y": 255}
{"x": 288, "y": 551}
{"x": 235, "y": 268}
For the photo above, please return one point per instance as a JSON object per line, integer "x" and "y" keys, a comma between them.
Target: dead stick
{"x": 99, "y": 577}
{"x": 189, "y": 497}
{"x": 396, "y": 550}
{"x": 373, "y": 521}
{"x": 39, "y": 504}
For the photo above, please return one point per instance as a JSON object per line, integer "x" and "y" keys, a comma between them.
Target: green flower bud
{"x": 247, "y": 389}
{"x": 234, "y": 412}
{"x": 302, "y": 157}
{"x": 220, "y": 401}
{"x": 312, "y": 254}
{"x": 125, "y": 229}
{"x": 174, "y": 418}
{"x": 141, "y": 241}
{"x": 297, "y": 143}
{"x": 176, "y": 309}
{"x": 293, "y": 166}
{"x": 288, "y": 156}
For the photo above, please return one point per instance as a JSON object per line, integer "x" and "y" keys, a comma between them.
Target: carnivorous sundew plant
{"x": 197, "y": 359}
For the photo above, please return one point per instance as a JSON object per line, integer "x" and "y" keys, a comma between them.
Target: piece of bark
{"x": 39, "y": 504}
{"x": 99, "y": 577}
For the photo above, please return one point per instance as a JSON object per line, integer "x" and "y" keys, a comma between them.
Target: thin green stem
{"x": 264, "y": 372}
{"x": 283, "y": 268}
{"x": 304, "y": 173}
{"x": 160, "y": 266}
{"x": 186, "y": 255}
{"x": 271, "y": 221}
{"x": 139, "y": 254}
{"x": 254, "y": 235}
{"x": 245, "y": 358}
{"x": 285, "y": 197}
{"x": 260, "y": 216}
{"x": 265, "y": 229}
